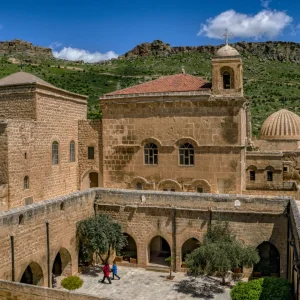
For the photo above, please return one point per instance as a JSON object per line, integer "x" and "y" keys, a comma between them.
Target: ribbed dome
{"x": 227, "y": 51}
{"x": 282, "y": 125}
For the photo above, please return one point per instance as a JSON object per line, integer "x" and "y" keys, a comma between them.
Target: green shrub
{"x": 72, "y": 283}
{"x": 262, "y": 289}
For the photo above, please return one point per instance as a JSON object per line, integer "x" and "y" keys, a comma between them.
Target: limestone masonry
{"x": 168, "y": 159}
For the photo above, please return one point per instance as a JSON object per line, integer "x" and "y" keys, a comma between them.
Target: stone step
{"x": 163, "y": 269}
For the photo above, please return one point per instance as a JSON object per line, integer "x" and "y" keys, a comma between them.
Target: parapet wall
{"x": 19, "y": 291}
{"x": 217, "y": 202}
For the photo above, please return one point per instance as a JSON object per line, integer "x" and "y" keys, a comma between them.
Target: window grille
{"x": 186, "y": 154}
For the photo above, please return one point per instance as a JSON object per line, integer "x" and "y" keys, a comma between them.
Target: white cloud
{"x": 70, "y": 53}
{"x": 266, "y": 23}
{"x": 265, "y": 3}
{"x": 55, "y": 45}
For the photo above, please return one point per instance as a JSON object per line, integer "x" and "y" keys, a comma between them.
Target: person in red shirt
{"x": 106, "y": 270}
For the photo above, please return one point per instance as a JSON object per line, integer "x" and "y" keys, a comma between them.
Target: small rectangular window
{"x": 172, "y": 190}
{"x": 285, "y": 169}
{"x": 91, "y": 153}
{"x": 252, "y": 175}
{"x": 270, "y": 176}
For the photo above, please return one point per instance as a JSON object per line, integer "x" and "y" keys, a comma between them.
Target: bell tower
{"x": 227, "y": 71}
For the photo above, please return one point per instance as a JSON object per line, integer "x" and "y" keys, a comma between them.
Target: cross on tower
{"x": 227, "y": 35}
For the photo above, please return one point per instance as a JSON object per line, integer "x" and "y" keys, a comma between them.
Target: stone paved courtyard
{"x": 140, "y": 284}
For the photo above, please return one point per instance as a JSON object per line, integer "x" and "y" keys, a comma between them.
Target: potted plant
{"x": 133, "y": 257}
{"x": 119, "y": 257}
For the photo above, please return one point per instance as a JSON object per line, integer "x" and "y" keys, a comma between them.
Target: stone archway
{"x": 158, "y": 250}
{"x": 90, "y": 179}
{"x": 62, "y": 265}
{"x": 269, "y": 264}
{"x": 33, "y": 274}
{"x": 130, "y": 250}
{"x": 188, "y": 246}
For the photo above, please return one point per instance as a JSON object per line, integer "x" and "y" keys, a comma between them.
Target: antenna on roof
{"x": 182, "y": 70}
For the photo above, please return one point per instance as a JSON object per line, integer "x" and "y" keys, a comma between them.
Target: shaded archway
{"x": 130, "y": 250}
{"x": 33, "y": 274}
{"x": 269, "y": 264}
{"x": 159, "y": 250}
{"x": 62, "y": 264}
{"x": 93, "y": 176}
{"x": 189, "y": 246}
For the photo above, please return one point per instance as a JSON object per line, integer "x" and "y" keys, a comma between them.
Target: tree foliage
{"x": 262, "y": 289}
{"x": 100, "y": 235}
{"x": 220, "y": 252}
{"x": 72, "y": 283}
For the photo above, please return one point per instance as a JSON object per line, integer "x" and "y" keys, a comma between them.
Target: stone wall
{"x": 17, "y": 102}
{"x": 27, "y": 226}
{"x": 215, "y": 128}
{"x": 146, "y": 214}
{"x": 30, "y": 148}
{"x": 3, "y": 166}
{"x": 89, "y": 135}
{"x": 18, "y": 291}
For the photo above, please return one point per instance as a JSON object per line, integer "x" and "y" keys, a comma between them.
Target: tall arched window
{"x": 186, "y": 154}
{"x": 55, "y": 147}
{"x": 226, "y": 80}
{"x": 72, "y": 151}
{"x": 26, "y": 183}
{"x": 151, "y": 154}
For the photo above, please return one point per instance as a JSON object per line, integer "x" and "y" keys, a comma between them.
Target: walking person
{"x": 115, "y": 270}
{"x": 106, "y": 270}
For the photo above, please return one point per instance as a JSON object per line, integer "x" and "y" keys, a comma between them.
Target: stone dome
{"x": 281, "y": 125}
{"x": 227, "y": 51}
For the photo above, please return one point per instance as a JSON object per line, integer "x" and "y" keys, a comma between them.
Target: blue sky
{"x": 96, "y": 27}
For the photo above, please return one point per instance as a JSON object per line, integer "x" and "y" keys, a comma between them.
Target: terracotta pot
{"x": 132, "y": 260}
{"x": 256, "y": 274}
{"x": 119, "y": 258}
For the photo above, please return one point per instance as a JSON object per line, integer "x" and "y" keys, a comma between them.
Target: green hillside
{"x": 270, "y": 83}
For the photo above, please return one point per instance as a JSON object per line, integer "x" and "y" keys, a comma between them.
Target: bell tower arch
{"x": 227, "y": 72}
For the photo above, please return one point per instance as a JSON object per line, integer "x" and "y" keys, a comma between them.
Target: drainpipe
{"x": 95, "y": 208}
{"x": 174, "y": 239}
{"x": 48, "y": 252}
{"x": 209, "y": 218}
{"x": 12, "y": 245}
{"x": 288, "y": 244}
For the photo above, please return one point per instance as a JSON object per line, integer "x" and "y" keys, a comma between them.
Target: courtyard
{"x": 140, "y": 284}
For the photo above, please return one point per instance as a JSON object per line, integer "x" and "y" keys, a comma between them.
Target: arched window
{"x": 55, "y": 146}
{"x": 186, "y": 154}
{"x": 252, "y": 175}
{"x": 26, "y": 183}
{"x": 226, "y": 80}
{"x": 139, "y": 186}
{"x": 269, "y": 175}
{"x": 151, "y": 154}
{"x": 72, "y": 151}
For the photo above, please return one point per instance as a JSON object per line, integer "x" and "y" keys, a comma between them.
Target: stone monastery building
{"x": 176, "y": 133}
{"x": 161, "y": 151}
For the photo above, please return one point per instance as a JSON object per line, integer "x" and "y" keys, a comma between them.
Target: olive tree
{"x": 220, "y": 252}
{"x": 100, "y": 235}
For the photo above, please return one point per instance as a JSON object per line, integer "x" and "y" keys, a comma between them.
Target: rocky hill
{"x": 281, "y": 51}
{"x": 18, "y": 48}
